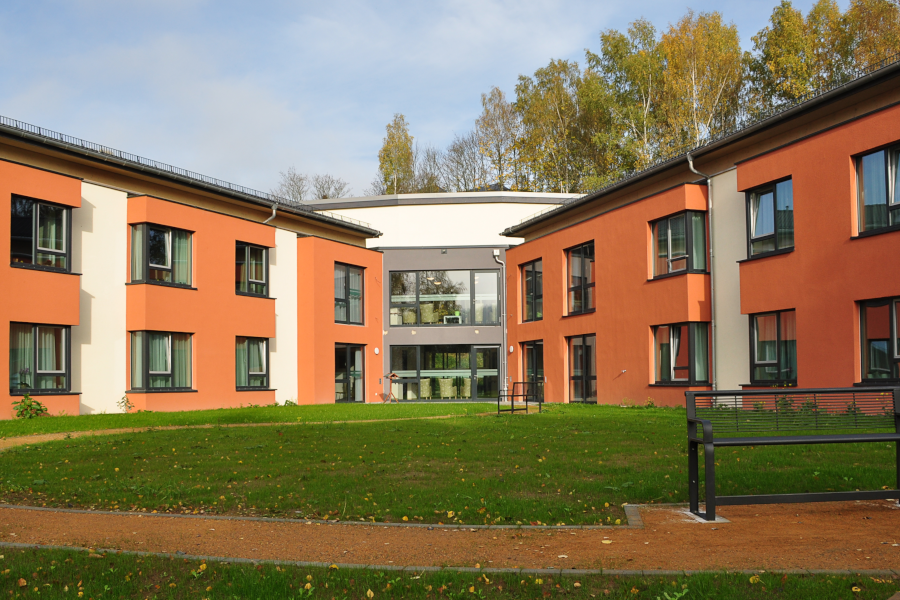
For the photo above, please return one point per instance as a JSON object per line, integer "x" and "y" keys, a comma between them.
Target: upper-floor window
{"x": 251, "y": 363}
{"x": 251, "y": 274}
{"x": 679, "y": 242}
{"x": 160, "y": 255}
{"x": 770, "y": 213}
{"x": 348, "y": 294}
{"x": 880, "y": 339}
{"x": 878, "y": 185}
{"x": 682, "y": 353}
{"x": 773, "y": 347}
{"x": 38, "y": 358}
{"x": 40, "y": 234}
{"x": 580, "y": 260}
{"x": 160, "y": 361}
{"x": 445, "y": 297}
{"x": 533, "y": 291}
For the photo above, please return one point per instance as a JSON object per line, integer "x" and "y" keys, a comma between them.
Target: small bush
{"x": 29, "y": 408}
{"x": 125, "y": 405}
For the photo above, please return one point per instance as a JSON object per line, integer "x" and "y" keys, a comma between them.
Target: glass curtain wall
{"x": 445, "y": 372}
{"x": 445, "y": 297}
{"x": 348, "y": 373}
{"x": 583, "y": 369}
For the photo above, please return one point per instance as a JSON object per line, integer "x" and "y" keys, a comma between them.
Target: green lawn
{"x": 571, "y": 464}
{"x": 227, "y": 416}
{"x": 72, "y": 574}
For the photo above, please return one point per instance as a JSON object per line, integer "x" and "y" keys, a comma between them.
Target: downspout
{"x": 504, "y": 354}
{"x": 712, "y": 270}
{"x": 274, "y": 210}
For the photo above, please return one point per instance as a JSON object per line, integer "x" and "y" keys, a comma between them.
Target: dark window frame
{"x": 761, "y": 189}
{"x": 473, "y": 366}
{"x": 754, "y": 363}
{"x": 246, "y": 279}
{"x": 893, "y": 207}
{"x": 532, "y": 293}
{"x": 584, "y": 378}
{"x": 145, "y": 256}
{"x": 692, "y": 378}
{"x": 145, "y": 388}
{"x": 583, "y": 287}
{"x": 346, "y": 299}
{"x": 472, "y": 299}
{"x": 349, "y": 348}
{"x": 245, "y": 388}
{"x": 893, "y": 303}
{"x": 35, "y": 208}
{"x": 688, "y": 257}
{"x": 67, "y": 344}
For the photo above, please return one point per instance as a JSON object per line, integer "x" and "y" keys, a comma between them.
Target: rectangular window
{"x": 533, "y": 291}
{"x": 348, "y": 294}
{"x": 682, "y": 353}
{"x": 445, "y": 372}
{"x": 251, "y": 275}
{"x": 679, "y": 244}
{"x": 580, "y": 262}
{"x": 445, "y": 298}
{"x": 38, "y": 358}
{"x": 40, "y": 234}
{"x": 161, "y": 361}
{"x": 880, "y": 340}
{"x": 533, "y": 366}
{"x": 770, "y": 214}
{"x": 160, "y": 255}
{"x": 252, "y": 363}
{"x": 583, "y": 369}
{"x": 877, "y": 182}
{"x": 348, "y": 373}
{"x": 773, "y": 347}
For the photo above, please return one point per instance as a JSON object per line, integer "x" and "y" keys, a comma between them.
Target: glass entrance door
{"x": 487, "y": 372}
{"x": 533, "y": 363}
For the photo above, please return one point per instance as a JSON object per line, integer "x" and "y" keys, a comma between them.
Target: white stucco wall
{"x": 100, "y": 254}
{"x": 729, "y": 239}
{"x": 442, "y": 224}
{"x": 283, "y": 349}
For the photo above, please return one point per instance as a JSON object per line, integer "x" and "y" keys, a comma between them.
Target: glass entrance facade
{"x": 445, "y": 372}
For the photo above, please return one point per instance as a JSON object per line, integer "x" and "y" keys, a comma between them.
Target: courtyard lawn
{"x": 70, "y": 574}
{"x": 229, "y": 416}
{"x": 571, "y": 464}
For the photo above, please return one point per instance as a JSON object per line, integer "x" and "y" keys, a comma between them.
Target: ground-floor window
{"x": 533, "y": 366}
{"x": 38, "y": 358}
{"x": 160, "y": 360}
{"x": 773, "y": 347}
{"x": 682, "y": 353}
{"x": 880, "y": 334}
{"x": 251, "y": 363}
{"x": 583, "y": 369}
{"x": 445, "y": 372}
{"x": 348, "y": 373}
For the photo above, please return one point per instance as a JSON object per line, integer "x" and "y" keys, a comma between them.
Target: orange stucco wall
{"x": 628, "y": 303}
{"x": 829, "y": 271}
{"x": 212, "y": 312}
{"x": 317, "y": 331}
{"x": 33, "y": 296}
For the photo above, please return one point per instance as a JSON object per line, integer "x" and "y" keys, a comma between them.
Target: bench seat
{"x": 789, "y": 440}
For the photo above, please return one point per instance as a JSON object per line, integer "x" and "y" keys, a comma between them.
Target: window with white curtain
{"x": 252, "y": 363}
{"x": 348, "y": 294}
{"x": 251, "y": 270}
{"x": 161, "y": 361}
{"x": 681, "y": 353}
{"x": 679, "y": 244}
{"x": 161, "y": 255}
{"x": 770, "y": 216}
{"x": 773, "y": 347}
{"x": 38, "y": 358}
{"x": 878, "y": 189}
{"x": 40, "y": 234}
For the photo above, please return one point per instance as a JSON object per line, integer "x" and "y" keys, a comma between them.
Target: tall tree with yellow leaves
{"x": 396, "y": 159}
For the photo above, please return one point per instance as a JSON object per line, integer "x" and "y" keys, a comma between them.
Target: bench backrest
{"x": 790, "y": 410}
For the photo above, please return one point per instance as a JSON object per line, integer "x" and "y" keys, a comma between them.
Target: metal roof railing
{"x": 81, "y": 145}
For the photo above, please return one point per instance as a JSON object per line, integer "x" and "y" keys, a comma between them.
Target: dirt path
{"x": 27, "y": 440}
{"x": 834, "y": 536}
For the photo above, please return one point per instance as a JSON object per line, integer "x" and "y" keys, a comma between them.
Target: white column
{"x": 283, "y": 286}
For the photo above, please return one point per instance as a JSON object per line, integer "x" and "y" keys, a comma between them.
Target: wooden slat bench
{"x": 784, "y": 417}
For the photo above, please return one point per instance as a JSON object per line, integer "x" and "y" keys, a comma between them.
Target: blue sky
{"x": 241, "y": 91}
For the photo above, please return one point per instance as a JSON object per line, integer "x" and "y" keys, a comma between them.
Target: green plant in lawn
{"x": 852, "y": 408}
{"x": 784, "y": 404}
{"x": 29, "y": 408}
{"x": 650, "y": 403}
{"x": 809, "y": 406}
{"x": 124, "y": 404}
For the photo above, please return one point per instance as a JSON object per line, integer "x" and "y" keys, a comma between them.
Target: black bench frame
{"x": 700, "y": 433}
{"x": 525, "y": 392}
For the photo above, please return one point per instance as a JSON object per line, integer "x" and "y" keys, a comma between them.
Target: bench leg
{"x": 709, "y": 454}
{"x": 693, "y": 478}
{"x": 898, "y": 469}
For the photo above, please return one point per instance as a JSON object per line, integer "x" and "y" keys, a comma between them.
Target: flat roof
{"x": 445, "y": 198}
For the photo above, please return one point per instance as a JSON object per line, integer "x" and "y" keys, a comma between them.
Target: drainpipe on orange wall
{"x": 712, "y": 270}
{"x": 504, "y": 353}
